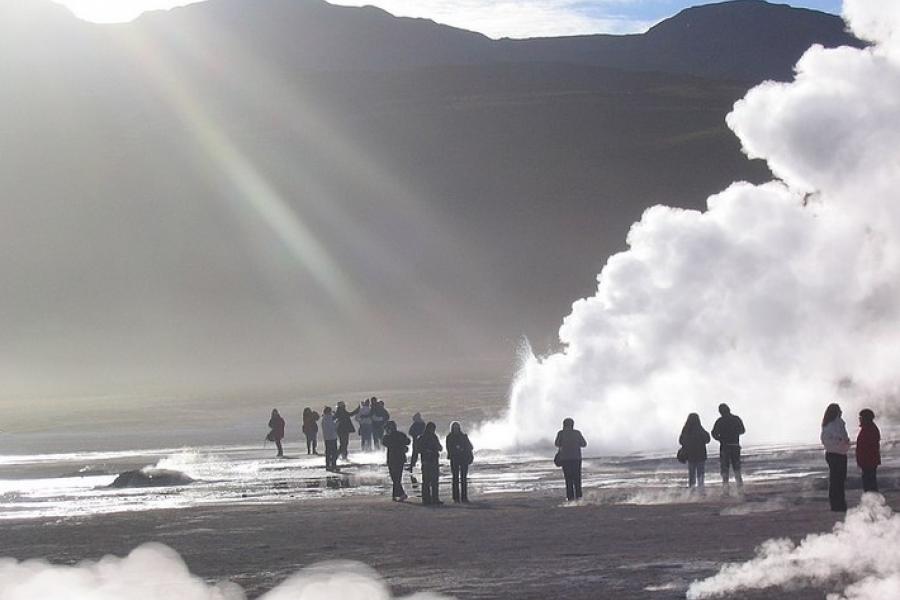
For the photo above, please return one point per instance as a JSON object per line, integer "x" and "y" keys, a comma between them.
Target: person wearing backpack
{"x": 461, "y": 455}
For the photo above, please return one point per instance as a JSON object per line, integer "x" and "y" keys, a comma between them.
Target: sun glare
{"x": 118, "y": 11}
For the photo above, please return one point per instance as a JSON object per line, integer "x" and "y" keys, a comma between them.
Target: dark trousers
{"x": 344, "y": 437}
{"x": 278, "y": 446}
{"x": 430, "y": 471}
{"x": 730, "y": 459}
{"x": 572, "y": 471}
{"x": 396, "y": 471}
{"x": 837, "y": 476}
{"x": 869, "y": 480}
{"x": 310, "y": 443}
{"x": 331, "y": 454}
{"x": 460, "y": 472}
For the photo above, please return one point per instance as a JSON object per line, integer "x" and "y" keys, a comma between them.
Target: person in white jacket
{"x": 837, "y": 445}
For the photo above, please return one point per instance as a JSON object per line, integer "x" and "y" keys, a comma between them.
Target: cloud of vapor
{"x": 861, "y": 554}
{"x": 156, "y": 572}
{"x": 778, "y": 299}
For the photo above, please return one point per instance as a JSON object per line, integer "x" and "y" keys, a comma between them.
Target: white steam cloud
{"x": 156, "y": 572}
{"x": 861, "y": 555}
{"x": 778, "y": 299}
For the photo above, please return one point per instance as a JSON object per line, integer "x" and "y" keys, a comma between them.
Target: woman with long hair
{"x": 461, "y": 455}
{"x": 276, "y": 431}
{"x": 693, "y": 440}
{"x": 837, "y": 443}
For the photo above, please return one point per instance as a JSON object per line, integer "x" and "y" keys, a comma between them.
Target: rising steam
{"x": 156, "y": 572}
{"x": 778, "y": 299}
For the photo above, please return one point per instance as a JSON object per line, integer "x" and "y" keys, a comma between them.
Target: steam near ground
{"x": 154, "y": 571}
{"x": 861, "y": 558}
{"x": 779, "y": 299}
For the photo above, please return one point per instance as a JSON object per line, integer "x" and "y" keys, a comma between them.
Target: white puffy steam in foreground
{"x": 778, "y": 299}
{"x": 862, "y": 555}
{"x": 156, "y": 572}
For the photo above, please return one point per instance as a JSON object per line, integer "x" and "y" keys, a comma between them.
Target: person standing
{"x": 837, "y": 444}
{"x": 693, "y": 440}
{"x": 380, "y": 416}
{"x": 344, "y": 419}
{"x": 364, "y": 419}
{"x": 310, "y": 429}
{"x": 429, "y": 449}
{"x": 570, "y": 442}
{"x": 728, "y": 430}
{"x": 461, "y": 455}
{"x": 276, "y": 431}
{"x": 396, "y": 443}
{"x": 415, "y": 430}
{"x": 330, "y": 436}
{"x": 868, "y": 449}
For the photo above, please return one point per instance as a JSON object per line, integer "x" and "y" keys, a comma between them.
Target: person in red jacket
{"x": 868, "y": 449}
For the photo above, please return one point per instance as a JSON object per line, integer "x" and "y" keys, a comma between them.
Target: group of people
{"x": 727, "y": 430}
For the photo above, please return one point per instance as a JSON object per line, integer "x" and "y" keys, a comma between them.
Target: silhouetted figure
{"x": 837, "y": 444}
{"x": 276, "y": 431}
{"x": 415, "y": 430}
{"x": 461, "y": 455}
{"x": 429, "y": 448}
{"x": 345, "y": 427}
{"x": 868, "y": 449}
{"x": 396, "y": 443}
{"x": 364, "y": 418}
{"x": 728, "y": 430}
{"x": 310, "y": 429}
{"x": 570, "y": 442}
{"x": 380, "y": 416}
{"x": 693, "y": 440}
{"x": 330, "y": 435}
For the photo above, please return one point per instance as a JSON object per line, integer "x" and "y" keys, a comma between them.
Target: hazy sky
{"x": 505, "y": 18}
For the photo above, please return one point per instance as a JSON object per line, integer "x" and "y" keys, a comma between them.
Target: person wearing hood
{"x": 330, "y": 435}
{"x": 276, "y": 431}
{"x": 868, "y": 449}
{"x": 396, "y": 443}
{"x": 415, "y": 430}
{"x": 461, "y": 455}
{"x": 837, "y": 444}
{"x": 344, "y": 419}
{"x": 429, "y": 449}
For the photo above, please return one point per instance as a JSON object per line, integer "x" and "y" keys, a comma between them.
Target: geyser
{"x": 779, "y": 299}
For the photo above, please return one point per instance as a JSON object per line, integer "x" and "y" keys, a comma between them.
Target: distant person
{"x": 429, "y": 449}
{"x": 868, "y": 449}
{"x": 276, "y": 431}
{"x": 415, "y": 430}
{"x": 837, "y": 444}
{"x": 570, "y": 442}
{"x": 728, "y": 430}
{"x": 310, "y": 429}
{"x": 693, "y": 440}
{"x": 396, "y": 443}
{"x": 345, "y": 427}
{"x": 461, "y": 455}
{"x": 380, "y": 416}
{"x": 364, "y": 419}
{"x": 330, "y": 435}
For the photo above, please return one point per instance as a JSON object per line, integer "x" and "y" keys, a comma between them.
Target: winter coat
{"x": 396, "y": 443}
{"x": 459, "y": 448}
{"x": 868, "y": 446}
{"x": 365, "y": 416}
{"x": 728, "y": 430}
{"x": 428, "y": 446}
{"x": 694, "y": 442}
{"x": 276, "y": 424}
{"x": 834, "y": 437}
{"x": 344, "y": 420}
{"x": 329, "y": 428}
{"x": 310, "y": 426}
{"x": 380, "y": 416}
{"x": 416, "y": 429}
{"x": 570, "y": 442}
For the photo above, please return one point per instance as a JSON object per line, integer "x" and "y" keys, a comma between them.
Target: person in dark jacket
{"x": 344, "y": 419}
{"x": 429, "y": 449}
{"x": 415, "y": 430}
{"x": 868, "y": 449}
{"x": 380, "y": 416}
{"x": 310, "y": 429}
{"x": 461, "y": 455}
{"x": 396, "y": 443}
{"x": 276, "y": 431}
{"x": 693, "y": 440}
{"x": 728, "y": 430}
{"x": 570, "y": 442}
